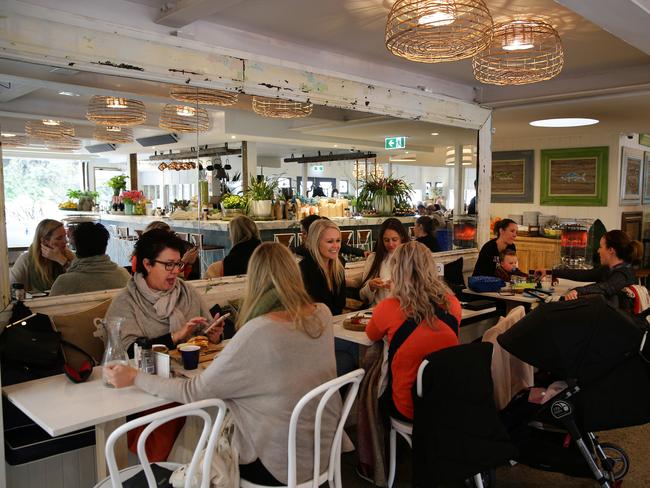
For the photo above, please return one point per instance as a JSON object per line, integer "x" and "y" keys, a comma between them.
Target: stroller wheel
{"x": 616, "y": 460}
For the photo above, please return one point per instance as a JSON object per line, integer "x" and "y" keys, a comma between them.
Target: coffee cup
{"x": 190, "y": 356}
{"x": 160, "y": 348}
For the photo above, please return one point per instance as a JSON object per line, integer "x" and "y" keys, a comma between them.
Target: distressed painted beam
{"x": 107, "y": 48}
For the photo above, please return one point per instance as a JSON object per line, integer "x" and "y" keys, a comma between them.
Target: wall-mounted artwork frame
{"x": 574, "y": 176}
{"x": 631, "y": 176}
{"x": 513, "y": 176}
{"x": 644, "y": 139}
{"x": 646, "y": 178}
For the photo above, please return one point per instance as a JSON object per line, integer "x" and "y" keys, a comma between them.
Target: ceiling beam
{"x": 626, "y": 19}
{"x": 183, "y": 12}
{"x": 331, "y": 157}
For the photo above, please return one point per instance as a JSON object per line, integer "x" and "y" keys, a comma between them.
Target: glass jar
{"x": 114, "y": 352}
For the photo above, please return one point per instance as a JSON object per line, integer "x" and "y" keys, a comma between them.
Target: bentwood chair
{"x": 331, "y": 474}
{"x": 209, "y": 437}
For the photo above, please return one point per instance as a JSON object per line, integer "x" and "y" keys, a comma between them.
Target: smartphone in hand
{"x": 216, "y": 322}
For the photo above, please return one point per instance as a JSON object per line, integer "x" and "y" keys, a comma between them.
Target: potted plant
{"x": 261, "y": 191}
{"x": 134, "y": 202}
{"x": 86, "y": 199}
{"x": 117, "y": 183}
{"x": 382, "y": 194}
{"x": 233, "y": 205}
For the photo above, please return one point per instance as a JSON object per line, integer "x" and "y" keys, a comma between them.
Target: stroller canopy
{"x": 578, "y": 339}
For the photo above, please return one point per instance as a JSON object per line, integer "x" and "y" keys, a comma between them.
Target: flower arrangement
{"x": 397, "y": 188}
{"x": 262, "y": 188}
{"x": 133, "y": 197}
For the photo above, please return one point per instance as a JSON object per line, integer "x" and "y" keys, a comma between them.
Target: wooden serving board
{"x": 206, "y": 354}
{"x": 347, "y": 324}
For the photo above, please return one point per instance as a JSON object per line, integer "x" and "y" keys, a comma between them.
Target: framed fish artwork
{"x": 513, "y": 176}
{"x": 574, "y": 176}
{"x": 631, "y": 176}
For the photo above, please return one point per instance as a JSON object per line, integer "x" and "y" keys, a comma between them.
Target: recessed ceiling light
{"x": 233, "y": 137}
{"x": 336, "y": 145}
{"x": 563, "y": 122}
{"x": 8, "y": 134}
{"x": 435, "y": 133}
{"x": 68, "y": 94}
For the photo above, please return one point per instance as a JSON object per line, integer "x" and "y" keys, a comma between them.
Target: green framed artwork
{"x": 644, "y": 139}
{"x": 513, "y": 174}
{"x": 575, "y": 176}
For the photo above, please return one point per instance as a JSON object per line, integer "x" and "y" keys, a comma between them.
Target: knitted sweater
{"x": 23, "y": 271}
{"x": 265, "y": 369}
{"x": 93, "y": 273}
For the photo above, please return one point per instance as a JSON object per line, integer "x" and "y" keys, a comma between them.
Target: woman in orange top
{"x": 421, "y": 316}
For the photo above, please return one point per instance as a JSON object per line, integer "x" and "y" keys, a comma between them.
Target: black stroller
{"x": 602, "y": 356}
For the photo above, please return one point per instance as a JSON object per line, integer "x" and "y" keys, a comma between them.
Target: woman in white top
{"x": 377, "y": 271}
{"x": 284, "y": 347}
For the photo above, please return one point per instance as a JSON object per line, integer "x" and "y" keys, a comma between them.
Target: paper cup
{"x": 160, "y": 348}
{"x": 190, "y": 355}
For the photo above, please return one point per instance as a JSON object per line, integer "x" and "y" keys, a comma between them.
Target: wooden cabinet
{"x": 537, "y": 252}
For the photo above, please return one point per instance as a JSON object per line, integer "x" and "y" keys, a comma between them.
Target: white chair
{"x": 333, "y": 473}
{"x": 405, "y": 429}
{"x": 209, "y": 436}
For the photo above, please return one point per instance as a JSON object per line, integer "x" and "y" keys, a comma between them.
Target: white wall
{"x": 610, "y": 215}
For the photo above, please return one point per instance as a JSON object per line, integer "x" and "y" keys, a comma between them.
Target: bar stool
{"x": 209, "y": 253}
{"x": 364, "y": 239}
{"x": 286, "y": 239}
{"x": 183, "y": 235}
{"x": 346, "y": 237}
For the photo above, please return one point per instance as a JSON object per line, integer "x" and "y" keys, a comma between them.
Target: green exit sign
{"x": 395, "y": 142}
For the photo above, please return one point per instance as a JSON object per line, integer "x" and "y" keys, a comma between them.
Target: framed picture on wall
{"x": 631, "y": 176}
{"x": 646, "y": 178}
{"x": 513, "y": 174}
{"x": 574, "y": 176}
{"x": 631, "y": 224}
{"x": 343, "y": 186}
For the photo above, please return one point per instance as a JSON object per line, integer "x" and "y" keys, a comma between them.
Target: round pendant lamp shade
{"x": 278, "y": 108}
{"x": 435, "y": 31}
{"x": 116, "y": 111}
{"x": 203, "y": 96}
{"x": 183, "y": 118}
{"x": 14, "y": 141}
{"x": 49, "y": 129}
{"x": 521, "y": 52}
{"x": 110, "y": 133}
{"x": 65, "y": 143}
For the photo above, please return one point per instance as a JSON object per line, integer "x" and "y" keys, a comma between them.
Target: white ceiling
{"x": 604, "y": 76}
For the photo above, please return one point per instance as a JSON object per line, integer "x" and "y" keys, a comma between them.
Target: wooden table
{"x": 61, "y": 407}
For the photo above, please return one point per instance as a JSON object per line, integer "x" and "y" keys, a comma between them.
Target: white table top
{"x": 361, "y": 338}
{"x": 60, "y": 406}
{"x": 560, "y": 289}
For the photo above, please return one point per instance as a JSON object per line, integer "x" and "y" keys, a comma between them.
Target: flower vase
{"x": 128, "y": 208}
{"x": 383, "y": 204}
{"x": 139, "y": 209}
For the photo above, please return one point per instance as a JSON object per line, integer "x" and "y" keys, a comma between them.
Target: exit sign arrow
{"x": 395, "y": 142}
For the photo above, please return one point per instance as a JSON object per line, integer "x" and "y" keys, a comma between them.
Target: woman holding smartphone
{"x": 47, "y": 257}
{"x": 377, "y": 271}
{"x": 262, "y": 374}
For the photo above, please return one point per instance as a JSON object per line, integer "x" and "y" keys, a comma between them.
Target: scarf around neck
{"x": 267, "y": 302}
{"x": 173, "y": 304}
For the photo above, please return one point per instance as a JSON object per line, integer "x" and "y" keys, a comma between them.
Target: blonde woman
{"x": 245, "y": 238}
{"x": 422, "y": 316}
{"x": 261, "y": 373}
{"x": 47, "y": 257}
{"x": 322, "y": 271}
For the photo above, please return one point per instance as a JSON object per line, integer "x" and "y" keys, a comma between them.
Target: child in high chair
{"x": 508, "y": 266}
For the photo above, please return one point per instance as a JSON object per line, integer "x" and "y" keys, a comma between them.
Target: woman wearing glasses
{"x": 155, "y": 303}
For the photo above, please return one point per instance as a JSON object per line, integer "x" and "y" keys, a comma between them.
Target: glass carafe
{"x": 114, "y": 353}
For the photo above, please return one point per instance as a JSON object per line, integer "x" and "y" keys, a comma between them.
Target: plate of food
{"x": 357, "y": 321}
{"x": 208, "y": 350}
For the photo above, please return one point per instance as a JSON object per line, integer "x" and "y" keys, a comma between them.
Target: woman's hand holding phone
{"x": 215, "y": 328}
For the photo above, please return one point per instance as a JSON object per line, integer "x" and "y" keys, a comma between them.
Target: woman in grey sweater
{"x": 156, "y": 304}
{"x": 283, "y": 349}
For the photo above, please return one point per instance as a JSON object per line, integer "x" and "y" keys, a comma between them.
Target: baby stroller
{"x": 602, "y": 356}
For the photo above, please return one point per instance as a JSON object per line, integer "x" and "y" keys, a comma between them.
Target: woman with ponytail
{"x": 489, "y": 256}
{"x": 617, "y": 255}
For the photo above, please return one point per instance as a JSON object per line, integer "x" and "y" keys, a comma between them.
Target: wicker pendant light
{"x": 48, "y": 129}
{"x": 435, "y": 31}
{"x": 278, "y": 108}
{"x": 521, "y": 52}
{"x": 111, "y": 133}
{"x": 203, "y": 96}
{"x": 65, "y": 143}
{"x": 13, "y": 140}
{"x": 183, "y": 118}
{"x": 116, "y": 111}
